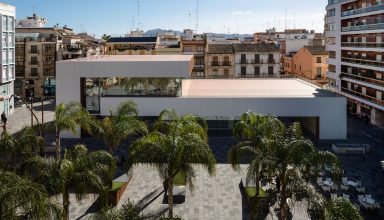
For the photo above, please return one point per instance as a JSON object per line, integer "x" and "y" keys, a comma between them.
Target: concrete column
{"x": 377, "y": 116}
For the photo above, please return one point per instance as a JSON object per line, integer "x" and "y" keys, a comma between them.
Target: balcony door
{"x": 243, "y": 71}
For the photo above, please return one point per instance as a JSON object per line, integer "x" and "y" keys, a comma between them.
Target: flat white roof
{"x": 251, "y": 88}
{"x": 132, "y": 58}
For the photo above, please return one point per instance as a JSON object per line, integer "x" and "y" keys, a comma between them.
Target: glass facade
{"x": 94, "y": 88}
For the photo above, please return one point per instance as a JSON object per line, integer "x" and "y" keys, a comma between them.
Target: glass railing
{"x": 362, "y": 10}
{"x": 362, "y": 44}
{"x": 366, "y": 97}
{"x": 363, "y": 61}
{"x": 363, "y": 27}
{"x": 363, "y": 79}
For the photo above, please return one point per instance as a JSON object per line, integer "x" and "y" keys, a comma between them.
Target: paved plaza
{"x": 219, "y": 197}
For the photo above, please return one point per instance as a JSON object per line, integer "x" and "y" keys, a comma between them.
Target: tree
{"x": 341, "y": 209}
{"x": 16, "y": 149}
{"x": 79, "y": 172}
{"x": 22, "y": 199}
{"x": 105, "y": 37}
{"x": 68, "y": 117}
{"x": 252, "y": 133}
{"x": 120, "y": 125}
{"x": 176, "y": 143}
{"x": 290, "y": 153}
{"x": 127, "y": 212}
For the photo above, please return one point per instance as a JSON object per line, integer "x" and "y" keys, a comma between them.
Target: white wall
{"x": 331, "y": 110}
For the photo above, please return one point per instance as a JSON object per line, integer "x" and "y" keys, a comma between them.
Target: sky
{"x": 117, "y": 17}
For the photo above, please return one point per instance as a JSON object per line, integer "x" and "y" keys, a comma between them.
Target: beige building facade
{"x": 220, "y": 61}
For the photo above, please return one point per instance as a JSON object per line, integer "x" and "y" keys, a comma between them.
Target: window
{"x": 331, "y": 68}
{"x": 257, "y": 70}
{"x": 243, "y": 70}
{"x": 34, "y": 72}
{"x": 331, "y": 12}
{"x": 5, "y": 22}
{"x": 11, "y": 56}
{"x": 10, "y": 40}
{"x": 319, "y": 72}
{"x": 10, "y": 24}
{"x": 5, "y": 53}
{"x": 5, "y": 71}
{"x": 226, "y": 72}
{"x": 11, "y": 74}
{"x": 318, "y": 60}
{"x": 33, "y": 49}
{"x": 270, "y": 70}
{"x": 332, "y": 54}
{"x": 257, "y": 58}
{"x": 33, "y": 61}
{"x": 331, "y": 27}
{"x": 4, "y": 40}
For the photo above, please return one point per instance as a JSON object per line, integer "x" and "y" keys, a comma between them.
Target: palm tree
{"x": 290, "y": 153}
{"x": 79, "y": 172}
{"x": 341, "y": 209}
{"x": 252, "y": 132}
{"x": 16, "y": 149}
{"x": 173, "y": 147}
{"x": 22, "y": 199}
{"x": 120, "y": 125}
{"x": 128, "y": 211}
{"x": 68, "y": 117}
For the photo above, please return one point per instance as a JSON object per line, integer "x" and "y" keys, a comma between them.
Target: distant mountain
{"x": 157, "y": 31}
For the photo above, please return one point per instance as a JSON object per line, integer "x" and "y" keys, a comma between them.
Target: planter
{"x": 118, "y": 187}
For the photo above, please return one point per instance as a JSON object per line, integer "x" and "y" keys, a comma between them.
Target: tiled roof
{"x": 263, "y": 47}
{"x": 132, "y": 39}
{"x": 316, "y": 50}
{"x": 220, "y": 49}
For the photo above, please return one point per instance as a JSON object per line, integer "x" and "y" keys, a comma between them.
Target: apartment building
{"x": 220, "y": 61}
{"x": 131, "y": 45}
{"x": 309, "y": 62}
{"x": 7, "y": 13}
{"x": 257, "y": 60}
{"x": 195, "y": 45}
{"x": 37, "y": 50}
{"x": 355, "y": 41}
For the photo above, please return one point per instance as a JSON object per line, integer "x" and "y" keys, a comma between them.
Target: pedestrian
{"x": 4, "y": 119}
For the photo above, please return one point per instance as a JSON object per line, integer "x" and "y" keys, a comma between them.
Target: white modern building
{"x": 7, "y": 14}
{"x": 158, "y": 82}
{"x": 355, "y": 42}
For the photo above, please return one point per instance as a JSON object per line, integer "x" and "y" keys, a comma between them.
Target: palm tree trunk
{"x": 66, "y": 204}
{"x": 110, "y": 149}
{"x": 283, "y": 198}
{"x": 257, "y": 183}
{"x": 58, "y": 152}
{"x": 170, "y": 198}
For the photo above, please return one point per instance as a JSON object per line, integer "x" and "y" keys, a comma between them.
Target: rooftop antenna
{"x": 286, "y": 17}
{"x": 197, "y": 18}
{"x": 138, "y": 15}
{"x": 237, "y": 24}
{"x": 34, "y": 9}
{"x": 133, "y": 23}
{"x": 294, "y": 20}
{"x": 189, "y": 20}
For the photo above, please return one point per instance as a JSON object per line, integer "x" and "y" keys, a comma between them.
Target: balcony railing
{"x": 362, "y": 44}
{"x": 362, "y": 10}
{"x": 366, "y": 97}
{"x": 363, "y": 61}
{"x": 33, "y": 52}
{"x": 242, "y": 61}
{"x": 363, "y": 78}
{"x": 34, "y": 63}
{"x": 271, "y": 61}
{"x": 363, "y": 27}
{"x": 221, "y": 64}
{"x": 257, "y": 61}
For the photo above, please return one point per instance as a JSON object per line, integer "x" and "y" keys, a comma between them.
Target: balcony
{"x": 34, "y": 63}
{"x": 362, "y": 96}
{"x": 363, "y": 27}
{"x": 215, "y": 64}
{"x": 362, "y": 10}
{"x": 362, "y": 44}
{"x": 374, "y": 81}
{"x": 257, "y": 61}
{"x": 225, "y": 63}
{"x": 33, "y": 52}
{"x": 243, "y": 61}
{"x": 375, "y": 63}
{"x": 271, "y": 61}
{"x": 221, "y": 64}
